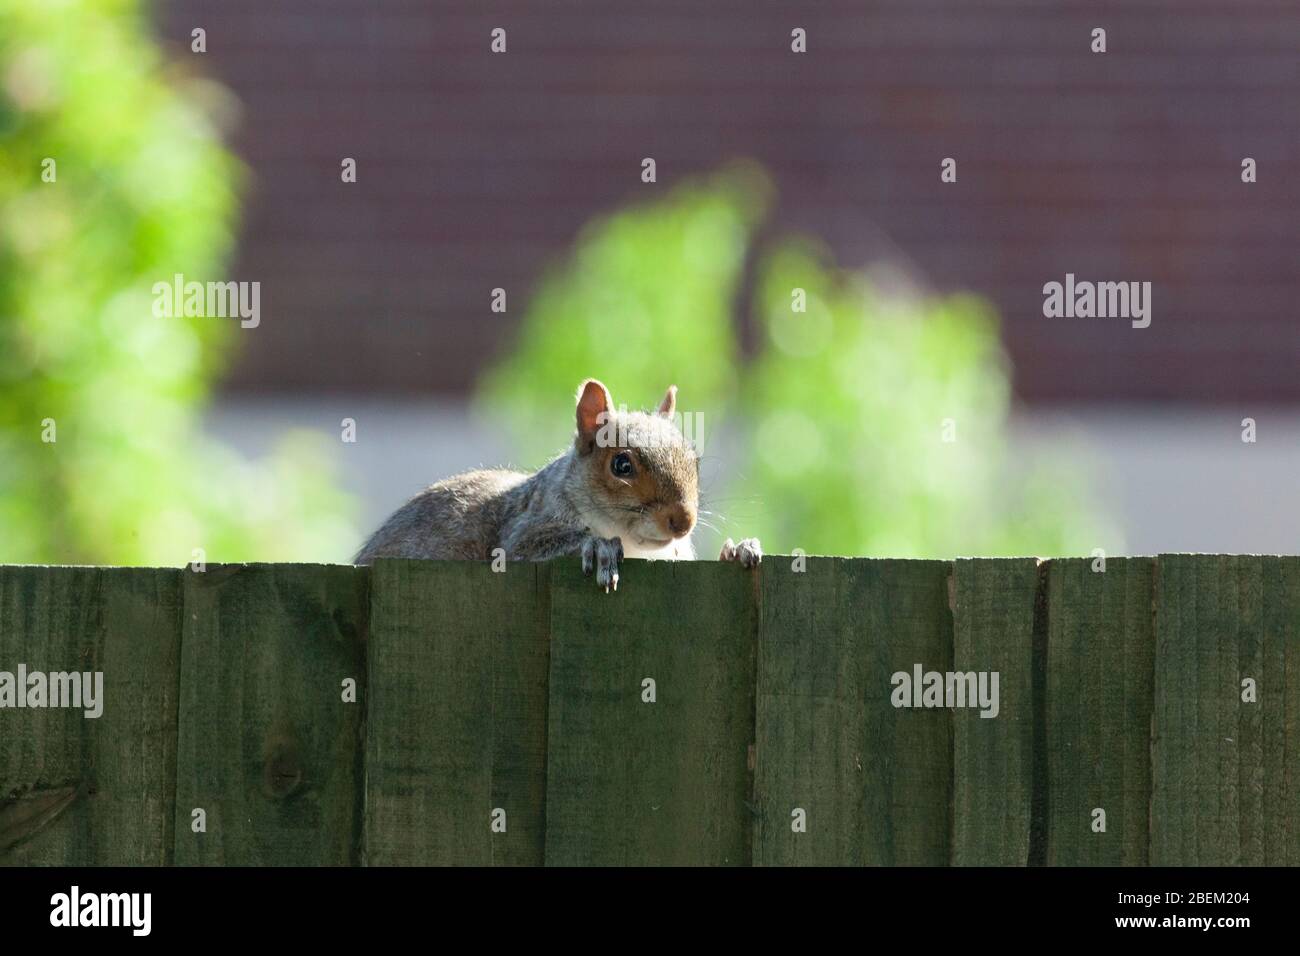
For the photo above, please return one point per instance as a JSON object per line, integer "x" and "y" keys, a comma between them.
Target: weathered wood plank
{"x": 632, "y": 782}
{"x": 994, "y": 757}
{"x": 457, "y": 721}
{"x": 1226, "y": 786}
{"x": 268, "y": 747}
{"x": 1272, "y": 731}
{"x": 91, "y": 791}
{"x": 1098, "y": 707}
{"x": 875, "y": 781}
{"x": 1101, "y": 668}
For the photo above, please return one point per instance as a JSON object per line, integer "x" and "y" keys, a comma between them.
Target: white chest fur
{"x": 681, "y": 550}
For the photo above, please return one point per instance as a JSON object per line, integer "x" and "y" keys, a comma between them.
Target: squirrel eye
{"x": 621, "y": 465}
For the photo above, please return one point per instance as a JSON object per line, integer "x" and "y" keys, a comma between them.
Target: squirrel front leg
{"x": 601, "y": 555}
{"x": 748, "y": 553}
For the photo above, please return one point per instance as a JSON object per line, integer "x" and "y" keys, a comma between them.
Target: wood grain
{"x": 875, "y": 782}
{"x": 633, "y": 782}
{"x": 1226, "y": 778}
{"x": 1101, "y": 650}
{"x": 457, "y": 724}
{"x": 84, "y": 791}
{"x": 268, "y": 748}
{"x": 994, "y": 758}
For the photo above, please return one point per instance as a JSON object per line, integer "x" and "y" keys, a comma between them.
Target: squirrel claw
{"x": 602, "y": 555}
{"x": 748, "y": 553}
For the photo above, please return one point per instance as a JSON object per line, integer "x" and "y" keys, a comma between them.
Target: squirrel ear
{"x": 593, "y": 400}
{"x": 669, "y": 404}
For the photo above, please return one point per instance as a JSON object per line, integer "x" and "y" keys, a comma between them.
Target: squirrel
{"x": 628, "y": 487}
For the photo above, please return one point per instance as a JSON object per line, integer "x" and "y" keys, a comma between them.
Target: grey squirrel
{"x": 629, "y": 487}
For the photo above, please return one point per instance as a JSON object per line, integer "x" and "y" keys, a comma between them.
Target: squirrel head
{"x": 641, "y": 475}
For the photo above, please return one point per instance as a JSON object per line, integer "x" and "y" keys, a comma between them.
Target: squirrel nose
{"x": 680, "y": 520}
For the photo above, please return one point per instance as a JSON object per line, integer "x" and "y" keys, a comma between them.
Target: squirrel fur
{"x": 627, "y": 487}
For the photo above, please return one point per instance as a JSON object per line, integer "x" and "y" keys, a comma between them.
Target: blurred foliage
{"x": 879, "y": 426}
{"x": 846, "y": 405}
{"x": 143, "y": 190}
{"x": 646, "y": 301}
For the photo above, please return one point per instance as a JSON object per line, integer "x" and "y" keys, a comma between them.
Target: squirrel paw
{"x": 749, "y": 552}
{"x": 602, "y": 555}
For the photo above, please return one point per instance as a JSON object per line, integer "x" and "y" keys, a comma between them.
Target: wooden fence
{"x": 504, "y": 718}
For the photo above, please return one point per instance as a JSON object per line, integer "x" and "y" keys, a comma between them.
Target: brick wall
{"x": 476, "y": 169}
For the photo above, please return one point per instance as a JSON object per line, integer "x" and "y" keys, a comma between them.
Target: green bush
{"x": 865, "y": 424}
{"x": 645, "y": 301}
{"x": 141, "y": 190}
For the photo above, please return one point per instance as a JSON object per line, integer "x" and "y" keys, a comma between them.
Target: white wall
{"x": 1178, "y": 479}
{"x": 1182, "y": 479}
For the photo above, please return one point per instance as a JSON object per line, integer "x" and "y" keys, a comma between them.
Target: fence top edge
{"x": 1163, "y": 555}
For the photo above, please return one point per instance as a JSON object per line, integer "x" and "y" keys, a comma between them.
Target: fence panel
{"x": 90, "y": 791}
{"x": 994, "y": 758}
{"x": 1101, "y": 652}
{"x": 456, "y": 736}
{"x": 1226, "y": 785}
{"x": 269, "y": 748}
{"x": 651, "y": 773}
{"x": 842, "y": 776}
{"x": 439, "y": 712}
